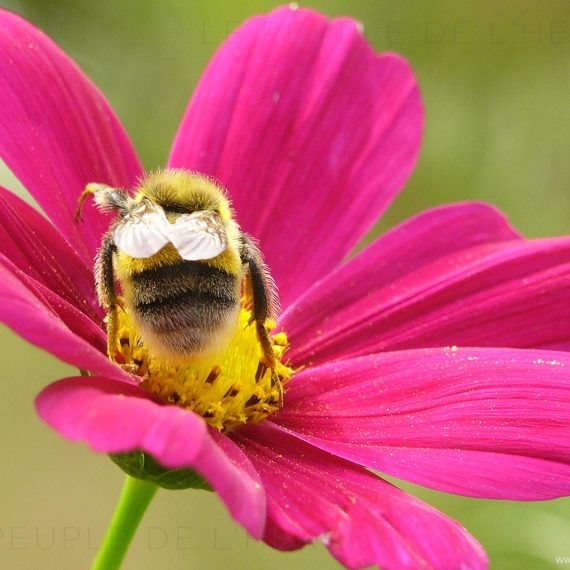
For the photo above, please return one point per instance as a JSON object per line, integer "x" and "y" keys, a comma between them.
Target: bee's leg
{"x": 105, "y": 280}
{"x": 262, "y": 289}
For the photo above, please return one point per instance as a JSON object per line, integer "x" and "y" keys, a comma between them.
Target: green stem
{"x": 135, "y": 498}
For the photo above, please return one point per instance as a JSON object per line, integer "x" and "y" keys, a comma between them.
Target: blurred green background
{"x": 495, "y": 78}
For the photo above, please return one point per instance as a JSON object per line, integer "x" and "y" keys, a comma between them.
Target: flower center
{"x": 227, "y": 388}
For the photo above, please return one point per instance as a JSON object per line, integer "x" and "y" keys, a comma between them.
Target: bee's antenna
{"x": 90, "y": 189}
{"x": 107, "y": 198}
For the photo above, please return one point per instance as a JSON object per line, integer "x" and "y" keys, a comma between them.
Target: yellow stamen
{"x": 228, "y": 388}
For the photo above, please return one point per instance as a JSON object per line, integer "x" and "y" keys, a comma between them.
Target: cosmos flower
{"x": 313, "y": 135}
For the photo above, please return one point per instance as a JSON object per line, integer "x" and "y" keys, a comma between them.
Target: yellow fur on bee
{"x": 126, "y": 266}
{"x": 192, "y": 191}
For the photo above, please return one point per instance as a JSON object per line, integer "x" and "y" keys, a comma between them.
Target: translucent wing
{"x": 142, "y": 235}
{"x": 199, "y": 235}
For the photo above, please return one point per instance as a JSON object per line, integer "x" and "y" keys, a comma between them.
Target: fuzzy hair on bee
{"x": 182, "y": 264}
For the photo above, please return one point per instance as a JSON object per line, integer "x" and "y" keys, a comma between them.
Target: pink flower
{"x": 313, "y": 135}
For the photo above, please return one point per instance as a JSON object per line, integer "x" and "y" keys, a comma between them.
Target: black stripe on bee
{"x": 189, "y": 297}
{"x": 178, "y": 279}
{"x": 184, "y": 296}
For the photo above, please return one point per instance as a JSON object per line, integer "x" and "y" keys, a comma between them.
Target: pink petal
{"x": 39, "y": 315}
{"x": 492, "y": 423}
{"x": 362, "y": 519}
{"x": 511, "y": 294}
{"x": 311, "y": 132}
{"x": 416, "y": 243}
{"x": 114, "y": 417}
{"x": 39, "y": 250}
{"x": 78, "y": 322}
{"x": 57, "y": 132}
{"x": 239, "y": 502}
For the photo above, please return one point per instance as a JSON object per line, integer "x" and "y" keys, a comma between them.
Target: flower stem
{"x": 135, "y": 498}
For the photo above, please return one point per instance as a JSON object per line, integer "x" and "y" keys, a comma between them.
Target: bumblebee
{"x": 182, "y": 263}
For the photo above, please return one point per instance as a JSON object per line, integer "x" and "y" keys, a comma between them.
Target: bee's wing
{"x": 199, "y": 235}
{"x": 143, "y": 236}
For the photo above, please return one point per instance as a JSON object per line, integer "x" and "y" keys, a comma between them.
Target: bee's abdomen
{"x": 182, "y": 308}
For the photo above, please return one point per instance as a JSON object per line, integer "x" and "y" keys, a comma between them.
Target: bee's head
{"x": 183, "y": 192}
